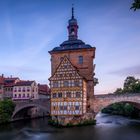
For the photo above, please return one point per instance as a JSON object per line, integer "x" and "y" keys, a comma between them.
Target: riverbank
{"x": 123, "y": 109}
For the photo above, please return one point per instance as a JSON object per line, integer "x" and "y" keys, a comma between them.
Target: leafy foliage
{"x": 131, "y": 85}
{"x": 135, "y": 5}
{"x": 6, "y": 110}
{"x": 124, "y": 109}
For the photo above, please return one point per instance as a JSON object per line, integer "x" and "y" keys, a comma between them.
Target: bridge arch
{"x": 100, "y": 102}
{"x": 26, "y": 106}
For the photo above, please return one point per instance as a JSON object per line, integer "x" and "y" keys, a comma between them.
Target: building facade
{"x": 43, "y": 91}
{"x": 9, "y": 83}
{"x": 72, "y": 76}
{"x": 25, "y": 90}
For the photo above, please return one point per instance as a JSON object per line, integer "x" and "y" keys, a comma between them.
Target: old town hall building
{"x": 72, "y": 77}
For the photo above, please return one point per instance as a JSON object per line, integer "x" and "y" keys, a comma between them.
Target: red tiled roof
{"x": 43, "y": 88}
{"x": 11, "y": 78}
{"x": 24, "y": 83}
{"x": 9, "y": 81}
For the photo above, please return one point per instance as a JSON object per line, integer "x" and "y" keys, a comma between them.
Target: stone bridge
{"x": 98, "y": 102}
{"x": 43, "y": 104}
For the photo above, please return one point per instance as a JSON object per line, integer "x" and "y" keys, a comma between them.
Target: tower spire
{"x": 72, "y": 11}
{"x": 72, "y": 26}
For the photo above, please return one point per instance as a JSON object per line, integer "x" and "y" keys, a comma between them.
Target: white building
{"x": 25, "y": 90}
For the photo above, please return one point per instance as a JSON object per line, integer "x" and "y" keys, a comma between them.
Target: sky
{"x": 31, "y": 28}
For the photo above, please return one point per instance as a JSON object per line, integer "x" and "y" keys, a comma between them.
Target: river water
{"x": 107, "y": 128}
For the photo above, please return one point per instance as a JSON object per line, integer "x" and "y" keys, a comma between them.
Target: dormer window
{"x": 80, "y": 60}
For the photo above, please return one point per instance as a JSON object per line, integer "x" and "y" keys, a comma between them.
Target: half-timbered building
{"x": 68, "y": 90}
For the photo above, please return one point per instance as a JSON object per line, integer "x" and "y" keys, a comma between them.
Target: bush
{"x": 6, "y": 110}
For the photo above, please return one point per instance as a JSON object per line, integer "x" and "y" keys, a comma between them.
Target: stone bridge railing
{"x": 117, "y": 95}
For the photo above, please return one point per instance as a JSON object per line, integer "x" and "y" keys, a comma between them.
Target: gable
{"x": 65, "y": 71}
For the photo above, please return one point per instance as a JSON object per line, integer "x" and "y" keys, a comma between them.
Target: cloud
{"x": 133, "y": 70}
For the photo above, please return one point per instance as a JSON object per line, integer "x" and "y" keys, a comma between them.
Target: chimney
{"x": 2, "y": 75}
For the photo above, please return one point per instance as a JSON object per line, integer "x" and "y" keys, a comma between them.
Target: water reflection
{"x": 107, "y": 128}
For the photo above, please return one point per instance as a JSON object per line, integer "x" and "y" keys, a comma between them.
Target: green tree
{"x": 118, "y": 91}
{"x": 135, "y": 5}
{"x": 131, "y": 85}
{"x": 6, "y": 110}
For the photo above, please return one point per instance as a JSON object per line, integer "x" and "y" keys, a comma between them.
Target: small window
{"x": 61, "y": 107}
{"x": 78, "y": 94}
{"x": 76, "y": 83}
{"x": 28, "y": 89}
{"x": 54, "y": 95}
{"x": 15, "y": 90}
{"x": 19, "y": 89}
{"x": 59, "y": 95}
{"x": 68, "y": 94}
{"x": 23, "y": 90}
{"x": 55, "y": 84}
{"x": 76, "y": 107}
{"x": 19, "y": 95}
{"x": 65, "y": 107}
{"x": 80, "y": 59}
{"x": 66, "y": 83}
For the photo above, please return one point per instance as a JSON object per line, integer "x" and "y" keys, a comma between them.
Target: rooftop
{"x": 24, "y": 83}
